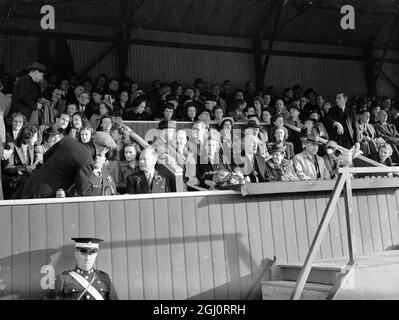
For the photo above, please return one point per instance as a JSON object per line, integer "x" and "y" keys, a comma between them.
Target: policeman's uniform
{"x": 77, "y": 284}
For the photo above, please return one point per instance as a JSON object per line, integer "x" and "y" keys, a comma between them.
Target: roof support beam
{"x": 299, "y": 14}
{"x": 387, "y": 45}
{"x": 90, "y": 67}
{"x": 259, "y": 75}
{"x": 393, "y": 84}
{"x": 370, "y": 66}
{"x": 128, "y": 9}
{"x": 271, "y": 41}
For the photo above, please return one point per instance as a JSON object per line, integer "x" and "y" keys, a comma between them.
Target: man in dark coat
{"x": 62, "y": 163}
{"x": 147, "y": 179}
{"x": 340, "y": 123}
{"x": 26, "y": 91}
{"x": 93, "y": 180}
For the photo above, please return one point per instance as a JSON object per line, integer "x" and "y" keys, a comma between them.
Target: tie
{"x": 149, "y": 180}
{"x": 316, "y": 164}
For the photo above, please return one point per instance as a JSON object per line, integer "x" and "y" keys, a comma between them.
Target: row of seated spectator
{"x": 279, "y": 143}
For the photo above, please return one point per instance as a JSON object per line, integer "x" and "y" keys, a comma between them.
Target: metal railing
{"x": 343, "y": 184}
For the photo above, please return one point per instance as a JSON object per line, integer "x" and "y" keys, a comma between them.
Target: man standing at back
{"x": 26, "y": 91}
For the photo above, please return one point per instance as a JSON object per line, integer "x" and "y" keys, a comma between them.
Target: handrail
{"x": 343, "y": 184}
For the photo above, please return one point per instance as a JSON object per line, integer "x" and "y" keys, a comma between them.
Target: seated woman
{"x": 79, "y": 120}
{"x": 225, "y": 128}
{"x": 258, "y": 105}
{"x": 280, "y": 135}
{"x": 278, "y": 168}
{"x": 122, "y": 103}
{"x": 207, "y": 166}
{"x": 18, "y": 121}
{"x": 185, "y": 159}
{"x": 366, "y": 134}
{"x": 218, "y": 113}
{"x": 188, "y": 112}
{"x": 86, "y": 133}
{"x": 23, "y": 161}
{"x": 127, "y": 166}
{"x": 332, "y": 158}
{"x": 266, "y": 125}
{"x": 106, "y": 124}
{"x": 137, "y": 111}
{"x": 104, "y": 110}
{"x": 383, "y": 155}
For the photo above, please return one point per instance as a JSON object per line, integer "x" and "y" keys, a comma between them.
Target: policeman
{"x": 84, "y": 282}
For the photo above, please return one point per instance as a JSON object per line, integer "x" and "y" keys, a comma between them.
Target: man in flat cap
{"x": 62, "y": 163}
{"x": 308, "y": 165}
{"x": 26, "y": 91}
{"x": 84, "y": 282}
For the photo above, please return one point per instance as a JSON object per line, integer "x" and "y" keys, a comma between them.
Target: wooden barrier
{"x": 203, "y": 245}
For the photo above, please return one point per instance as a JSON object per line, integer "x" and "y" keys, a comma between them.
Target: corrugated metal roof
{"x": 316, "y": 21}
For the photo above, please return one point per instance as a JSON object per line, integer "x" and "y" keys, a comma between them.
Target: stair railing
{"x": 343, "y": 184}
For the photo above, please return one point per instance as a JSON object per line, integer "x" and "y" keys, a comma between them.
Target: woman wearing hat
{"x": 210, "y": 162}
{"x": 278, "y": 168}
{"x": 137, "y": 112}
{"x": 280, "y": 135}
{"x": 188, "y": 112}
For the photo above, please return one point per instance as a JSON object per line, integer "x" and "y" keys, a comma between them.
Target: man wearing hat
{"x": 26, "y": 91}
{"x": 84, "y": 282}
{"x": 62, "y": 164}
{"x": 164, "y": 143}
{"x": 278, "y": 168}
{"x": 308, "y": 165}
{"x": 94, "y": 180}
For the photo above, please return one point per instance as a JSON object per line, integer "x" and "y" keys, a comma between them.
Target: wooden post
{"x": 350, "y": 225}
{"x": 321, "y": 230}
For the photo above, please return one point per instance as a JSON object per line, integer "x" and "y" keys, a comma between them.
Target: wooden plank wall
{"x": 193, "y": 247}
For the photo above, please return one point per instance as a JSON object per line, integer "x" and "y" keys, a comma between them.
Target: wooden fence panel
{"x": 183, "y": 247}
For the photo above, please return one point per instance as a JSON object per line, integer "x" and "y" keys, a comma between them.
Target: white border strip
{"x": 168, "y": 195}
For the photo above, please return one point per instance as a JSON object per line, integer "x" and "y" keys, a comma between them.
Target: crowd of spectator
{"x": 294, "y": 136}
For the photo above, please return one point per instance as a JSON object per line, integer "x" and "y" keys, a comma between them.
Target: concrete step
{"x": 322, "y": 274}
{"x": 282, "y": 290}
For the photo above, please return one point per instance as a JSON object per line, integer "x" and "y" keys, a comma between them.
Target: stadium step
{"x": 322, "y": 274}
{"x": 282, "y": 290}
